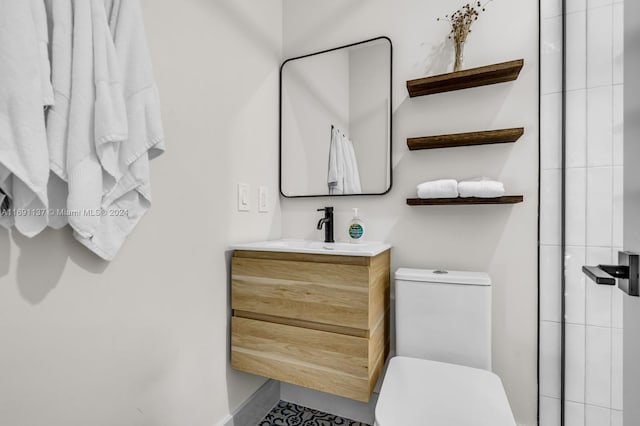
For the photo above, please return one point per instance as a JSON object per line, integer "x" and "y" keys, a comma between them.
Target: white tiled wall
{"x": 593, "y": 233}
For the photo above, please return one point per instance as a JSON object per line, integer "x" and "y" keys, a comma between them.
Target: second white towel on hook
{"x": 343, "y": 176}
{"x": 128, "y": 162}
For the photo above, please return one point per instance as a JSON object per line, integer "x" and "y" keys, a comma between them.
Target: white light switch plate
{"x": 244, "y": 205}
{"x": 263, "y": 200}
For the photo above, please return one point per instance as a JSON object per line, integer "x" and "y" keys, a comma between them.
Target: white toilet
{"x": 441, "y": 375}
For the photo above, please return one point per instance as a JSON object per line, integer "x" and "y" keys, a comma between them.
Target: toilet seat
{"x": 420, "y": 392}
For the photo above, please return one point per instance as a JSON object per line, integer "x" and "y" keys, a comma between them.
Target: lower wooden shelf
{"x": 508, "y": 199}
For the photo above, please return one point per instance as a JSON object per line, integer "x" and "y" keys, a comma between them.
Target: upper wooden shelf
{"x": 508, "y": 199}
{"x": 466, "y": 139}
{"x": 482, "y": 76}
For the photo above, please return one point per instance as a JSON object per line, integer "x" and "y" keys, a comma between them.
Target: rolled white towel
{"x": 481, "y": 187}
{"x": 443, "y": 188}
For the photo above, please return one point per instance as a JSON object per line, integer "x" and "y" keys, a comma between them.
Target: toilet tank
{"x": 444, "y": 316}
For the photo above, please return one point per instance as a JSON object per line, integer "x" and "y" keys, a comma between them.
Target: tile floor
{"x": 288, "y": 414}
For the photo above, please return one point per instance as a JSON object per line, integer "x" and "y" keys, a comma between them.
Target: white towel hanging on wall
{"x": 132, "y": 192}
{"x": 23, "y": 95}
{"x": 351, "y": 171}
{"x": 84, "y": 171}
{"x": 335, "y": 174}
{"x": 102, "y": 127}
{"x": 343, "y": 176}
{"x": 60, "y": 16}
{"x": 111, "y": 127}
{"x": 42, "y": 33}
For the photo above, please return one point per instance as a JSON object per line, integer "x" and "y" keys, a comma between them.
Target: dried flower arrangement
{"x": 461, "y": 21}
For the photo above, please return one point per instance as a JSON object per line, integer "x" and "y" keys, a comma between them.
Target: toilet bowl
{"x": 441, "y": 376}
{"x": 419, "y": 392}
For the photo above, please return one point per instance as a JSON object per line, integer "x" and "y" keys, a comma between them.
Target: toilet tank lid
{"x": 443, "y": 276}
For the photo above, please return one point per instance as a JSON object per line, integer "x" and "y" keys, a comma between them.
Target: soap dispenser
{"x": 356, "y": 228}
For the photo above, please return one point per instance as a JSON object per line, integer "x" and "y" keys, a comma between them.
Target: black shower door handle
{"x": 602, "y": 274}
{"x": 625, "y": 273}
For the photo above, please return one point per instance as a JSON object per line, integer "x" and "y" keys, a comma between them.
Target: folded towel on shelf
{"x": 481, "y": 187}
{"x": 443, "y": 188}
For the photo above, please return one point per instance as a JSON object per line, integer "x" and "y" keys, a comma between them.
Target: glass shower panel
{"x": 592, "y": 328}
{"x": 581, "y": 202}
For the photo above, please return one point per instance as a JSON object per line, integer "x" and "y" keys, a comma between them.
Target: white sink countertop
{"x": 366, "y": 248}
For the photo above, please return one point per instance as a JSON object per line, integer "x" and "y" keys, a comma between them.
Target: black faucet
{"x": 327, "y": 221}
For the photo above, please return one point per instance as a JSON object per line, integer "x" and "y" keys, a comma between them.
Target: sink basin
{"x": 316, "y": 247}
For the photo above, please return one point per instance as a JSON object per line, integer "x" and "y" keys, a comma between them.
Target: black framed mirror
{"x": 336, "y": 121}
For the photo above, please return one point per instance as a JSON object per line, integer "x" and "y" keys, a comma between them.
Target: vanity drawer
{"x": 315, "y": 320}
{"x": 340, "y": 364}
{"x": 334, "y": 294}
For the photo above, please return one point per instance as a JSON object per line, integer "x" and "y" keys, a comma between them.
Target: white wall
{"x": 501, "y": 240}
{"x": 144, "y": 340}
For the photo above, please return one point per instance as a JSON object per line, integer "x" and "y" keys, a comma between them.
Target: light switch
{"x": 263, "y": 200}
{"x": 244, "y": 204}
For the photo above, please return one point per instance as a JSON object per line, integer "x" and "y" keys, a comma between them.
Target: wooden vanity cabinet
{"x": 314, "y": 320}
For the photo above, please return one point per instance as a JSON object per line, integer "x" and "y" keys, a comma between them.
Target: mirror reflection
{"x": 336, "y": 121}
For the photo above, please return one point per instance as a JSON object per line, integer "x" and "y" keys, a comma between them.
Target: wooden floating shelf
{"x": 465, "y": 79}
{"x": 466, "y": 139}
{"x": 509, "y": 199}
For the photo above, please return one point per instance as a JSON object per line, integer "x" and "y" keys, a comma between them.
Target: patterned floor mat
{"x": 288, "y": 414}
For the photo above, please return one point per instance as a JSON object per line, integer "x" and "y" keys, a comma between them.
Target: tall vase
{"x": 459, "y": 56}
